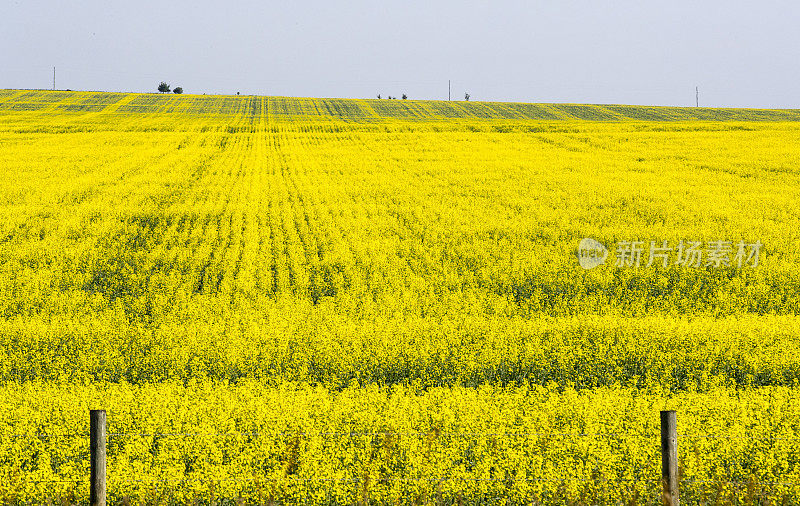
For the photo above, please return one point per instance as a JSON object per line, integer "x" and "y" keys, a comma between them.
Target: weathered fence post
{"x": 97, "y": 449}
{"x": 669, "y": 459}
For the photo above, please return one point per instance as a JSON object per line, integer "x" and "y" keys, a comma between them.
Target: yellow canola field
{"x": 175, "y": 444}
{"x": 364, "y": 249}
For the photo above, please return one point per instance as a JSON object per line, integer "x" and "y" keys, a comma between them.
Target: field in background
{"x": 408, "y": 267}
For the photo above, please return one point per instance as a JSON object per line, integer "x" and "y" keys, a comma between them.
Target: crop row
{"x": 361, "y": 111}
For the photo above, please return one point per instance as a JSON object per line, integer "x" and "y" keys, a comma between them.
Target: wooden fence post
{"x": 669, "y": 459}
{"x": 97, "y": 449}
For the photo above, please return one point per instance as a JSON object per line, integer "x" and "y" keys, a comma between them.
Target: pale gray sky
{"x": 740, "y": 54}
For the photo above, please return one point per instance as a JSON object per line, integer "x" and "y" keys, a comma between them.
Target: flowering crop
{"x": 293, "y": 443}
{"x": 385, "y": 259}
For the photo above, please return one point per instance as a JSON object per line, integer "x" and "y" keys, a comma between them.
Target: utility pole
{"x": 696, "y": 96}
{"x": 448, "y": 90}
{"x": 54, "y": 79}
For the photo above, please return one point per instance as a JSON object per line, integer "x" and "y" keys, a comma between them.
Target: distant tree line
{"x": 164, "y": 88}
{"x": 405, "y": 97}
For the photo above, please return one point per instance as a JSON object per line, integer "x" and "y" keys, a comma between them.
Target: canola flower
{"x": 170, "y": 442}
{"x": 399, "y": 256}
